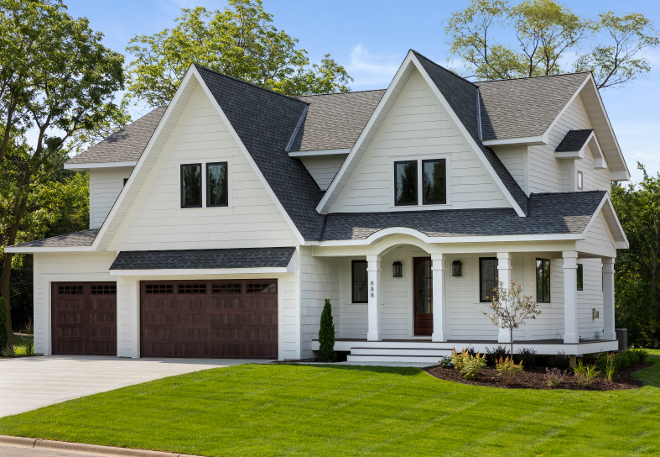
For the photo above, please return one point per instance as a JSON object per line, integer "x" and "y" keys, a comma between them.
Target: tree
{"x": 637, "y": 269}
{"x": 240, "y": 42}
{"x": 57, "y": 82}
{"x": 549, "y": 40}
{"x": 509, "y": 308}
{"x": 327, "y": 334}
{"x": 4, "y": 336}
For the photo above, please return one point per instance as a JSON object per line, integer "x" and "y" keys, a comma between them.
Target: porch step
{"x": 431, "y": 360}
{"x": 396, "y": 351}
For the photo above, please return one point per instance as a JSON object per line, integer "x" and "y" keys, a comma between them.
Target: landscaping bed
{"x": 534, "y": 378}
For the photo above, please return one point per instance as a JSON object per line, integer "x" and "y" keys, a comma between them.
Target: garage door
{"x": 84, "y": 318}
{"x": 217, "y": 319}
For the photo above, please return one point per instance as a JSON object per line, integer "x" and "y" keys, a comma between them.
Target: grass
{"x": 342, "y": 410}
{"x": 20, "y": 344}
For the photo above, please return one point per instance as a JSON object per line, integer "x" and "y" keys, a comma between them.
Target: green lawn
{"x": 341, "y": 410}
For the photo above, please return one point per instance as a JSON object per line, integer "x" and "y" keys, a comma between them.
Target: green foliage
{"x": 327, "y": 334}
{"x": 527, "y": 357}
{"x": 3, "y": 324}
{"x": 610, "y": 367}
{"x": 554, "y": 377}
{"x": 585, "y": 374}
{"x": 619, "y": 360}
{"x": 508, "y": 369}
{"x": 637, "y": 269}
{"x": 495, "y": 354}
{"x": 509, "y": 308}
{"x": 469, "y": 365}
{"x": 549, "y": 38}
{"x": 240, "y": 41}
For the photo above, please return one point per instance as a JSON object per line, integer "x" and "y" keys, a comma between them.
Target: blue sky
{"x": 371, "y": 39}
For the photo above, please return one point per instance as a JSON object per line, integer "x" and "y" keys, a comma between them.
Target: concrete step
{"x": 395, "y": 351}
{"x": 431, "y": 360}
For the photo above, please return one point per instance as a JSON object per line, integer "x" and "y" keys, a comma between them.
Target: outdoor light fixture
{"x": 456, "y": 268}
{"x": 397, "y": 269}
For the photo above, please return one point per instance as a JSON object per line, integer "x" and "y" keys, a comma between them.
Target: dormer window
{"x": 405, "y": 183}
{"x": 434, "y": 186}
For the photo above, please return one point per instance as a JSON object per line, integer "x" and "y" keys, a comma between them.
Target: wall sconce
{"x": 456, "y": 268}
{"x": 397, "y": 269}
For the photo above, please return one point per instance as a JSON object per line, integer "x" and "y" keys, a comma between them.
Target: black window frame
{"x": 403, "y": 162}
{"x": 201, "y": 184}
{"x": 353, "y": 280}
{"x": 580, "y": 276}
{"x": 424, "y": 202}
{"x": 481, "y": 291}
{"x": 539, "y": 298}
{"x": 125, "y": 181}
{"x": 206, "y": 184}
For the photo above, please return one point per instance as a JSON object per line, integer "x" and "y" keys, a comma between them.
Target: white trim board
{"x": 89, "y": 166}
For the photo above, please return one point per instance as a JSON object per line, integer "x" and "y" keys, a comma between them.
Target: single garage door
{"x": 217, "y": 319}
{"x": 84, "y": 318}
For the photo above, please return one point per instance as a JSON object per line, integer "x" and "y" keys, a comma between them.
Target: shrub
{"x": 591, "y": 373}
{"x": 610, "y": 368}
{"x": 508, "y": 369}
{"x": 4, "y": 333}
{"x": 585, "y": 374}
{"x": 559, "y": 361}
{"x": 445, "y": 362}
{"x": 554, "y": 376}
{"x": 469, "y": 365}
{"x": 7, "y": 352}
{"x": 527, "y": 356}
{"x": 642, "y": 354}
{"x": 29, "y": 347}
{"x": 622, "y": 359}
{"x": 495, "y": 354}
{"x": 327, "y": 334}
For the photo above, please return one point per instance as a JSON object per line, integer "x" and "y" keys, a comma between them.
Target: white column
{"x": 570, "y": 297}
{"x": 504, "y": 276}
{"x": 608, "y": 299}
{"x": 439, "y": 308}
{"x": 373, "y": 303}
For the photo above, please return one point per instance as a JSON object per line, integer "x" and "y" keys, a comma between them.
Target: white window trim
{"x": 420, "y": 182}
{"x": 579, "y": 183}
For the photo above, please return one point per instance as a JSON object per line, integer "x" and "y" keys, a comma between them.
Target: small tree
{"x": 327, "y": 334}
{"x": 4, "y": 332}
{"x": 509, "y": 308}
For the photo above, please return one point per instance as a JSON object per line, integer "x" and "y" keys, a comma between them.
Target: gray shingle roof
{"x": 125, "y": 145}
{"x": 553, "y": 213}
{"x": 461, "y": 95}
{"x": 520, "y": 108}
{"x": 574, "y": 140}
{"x": 203, "y": 259}
{"x": 77, "y": 239}
{"x": 265, "y": 120}
{"x": 335, "y": 121}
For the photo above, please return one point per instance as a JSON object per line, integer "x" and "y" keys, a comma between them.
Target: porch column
{"x": 439, "y": 308}
{"x": 373, "y": 302}
{"x": 570, "y": 297}
{"x": 608, "y": 299}
{"x": 504, "y": 276}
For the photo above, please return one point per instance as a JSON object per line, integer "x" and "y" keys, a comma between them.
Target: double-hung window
{"x": 193, "y": 182}
{"x": 216, "y": 184}
{"x": 434, "y": 177}
{"x": 542, "y": 280}
{"x": 405, "y": 183}
{"x": 191, "y": 185}
{"x": 487, "y": 278}
{"x": 360, "y": 293}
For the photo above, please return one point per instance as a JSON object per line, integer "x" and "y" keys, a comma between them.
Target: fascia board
{"x": 36, "y": 250}
{"x": 319, "y": 153}
{"x": 469, "y": 138}
{"x": 200, "y": 272}
{"x": 620, "y": 175}
{"x": 570, "y": 154}
{"x": 89, "y": 166}
{"x": 323, "y": 207}
{"x": 143, "y": 157}
{"x": 527, "y": 141}
{"x": 247, "y": 155}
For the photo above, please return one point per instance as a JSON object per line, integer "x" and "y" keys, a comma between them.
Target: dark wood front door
{"x": 84, "y": 318}
{"x": 423, "y": 296}
{"x": 215, "y": 319}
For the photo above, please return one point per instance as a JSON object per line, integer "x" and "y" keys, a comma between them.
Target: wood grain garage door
{"x": 216, "y": 319}
{"x": 84, "y": 318}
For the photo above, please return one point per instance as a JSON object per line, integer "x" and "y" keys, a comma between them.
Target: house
{"x": 220, "y": 223}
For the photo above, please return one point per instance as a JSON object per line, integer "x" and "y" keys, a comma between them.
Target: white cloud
{"x": 372, "y": 71}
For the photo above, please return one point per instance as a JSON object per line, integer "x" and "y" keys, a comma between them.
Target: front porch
{"x": 427, "y": 351}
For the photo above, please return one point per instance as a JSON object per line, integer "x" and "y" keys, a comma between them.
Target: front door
{"x": 423, "y": 298}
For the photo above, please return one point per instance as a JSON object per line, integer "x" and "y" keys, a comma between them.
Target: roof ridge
{"x": 446, "y": 69}
{"x": 531, "y": 77}
{"x": 271, "y": 91}
{"x": 342, "y": 93}
{"x": 577, "y": 192}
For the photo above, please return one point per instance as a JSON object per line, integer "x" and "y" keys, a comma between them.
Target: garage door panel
{"x": 221, "y": 319}
{"x": 84, "y": 318}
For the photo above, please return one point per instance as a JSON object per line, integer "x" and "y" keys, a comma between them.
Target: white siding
{"x": 323, "y": 169}
{"x": 156, "y": 220}
{"x": 514, "y": 159}
{"x": 54, "y": 267}
{"x": 589, "y": 298}
{"x": 105, "y": 184}
{"x": 418, "y": 127}
{"x": 353, "y": 316}
{"x": 319, "y": 280}
{"x": 599, "y": 235}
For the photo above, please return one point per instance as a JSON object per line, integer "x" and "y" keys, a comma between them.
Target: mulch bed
{"x": 534, "y": 379}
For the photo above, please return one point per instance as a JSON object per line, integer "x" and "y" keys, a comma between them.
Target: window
{"x": 542, "y": 281}
{"x": 104, "y": 290}
{"x": 580, "y": 277}
{"x": 227, "y": 288}
{"x": 191, "y": 186}
{"x": 70, "y": 290}
{"x": 434, "y": 181}
{"x": 159, "y": 289}
{"x": 360, "y": 292}
{"x": 262, "y": 288}
{"x": 405, "y": 183}
{"x": 487, "y": 278}
{"x": 580, "y": 180}
{"x": 192, "y": 288}
{"x": 216, "y": 184}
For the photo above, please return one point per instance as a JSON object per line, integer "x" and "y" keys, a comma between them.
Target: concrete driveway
{"x": 33, "y": 382}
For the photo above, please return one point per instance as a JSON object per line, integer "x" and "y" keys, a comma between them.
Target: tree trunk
{"x": 511, "y": 340}
{"x": 5, "y": 283}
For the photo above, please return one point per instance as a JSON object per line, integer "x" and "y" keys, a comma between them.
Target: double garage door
{"x": 217, "y": 319}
